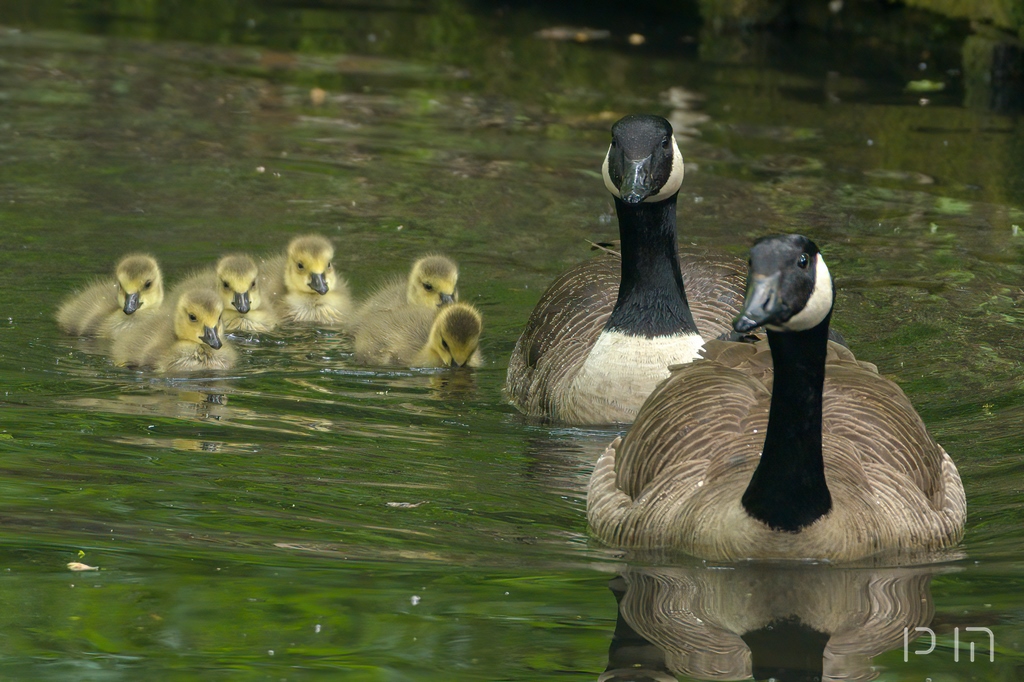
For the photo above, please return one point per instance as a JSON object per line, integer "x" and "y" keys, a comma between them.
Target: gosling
{"x": 106, "y": 308}
{"x": 236, "y": 280}
{"x": 415, "y": 336}
{"x": 431, "y": 283}
{"x": 303, "y": 285}
{"x": 187, "y": 339}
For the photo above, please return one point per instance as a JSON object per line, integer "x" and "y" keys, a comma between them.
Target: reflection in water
{"x": 199, "y": 403}
{"x": 766, "y": 621}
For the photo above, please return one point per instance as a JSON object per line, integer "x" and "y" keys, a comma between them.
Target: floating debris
{"x": 636, "y": 39}
{"x": 925, "y": 86}
{"x": 578, "y": 34}
{"x": 79, "y": 566}
{"x": 317, "y": 96}
{"x": 900, "y": 176}
{"x": 406, "y": 505}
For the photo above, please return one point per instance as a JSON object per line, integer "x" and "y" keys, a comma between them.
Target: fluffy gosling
{"x": 415, "y": 336}
{"x": 187, "y": 339}
{"x": 106, "y": 308}
{"x": 303, "y": 285}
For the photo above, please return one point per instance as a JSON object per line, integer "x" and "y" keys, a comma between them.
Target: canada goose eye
{"x": 149, "y": 284}
{"x": 665, "y": 144}
{"x": 750, "y": 262}
{"x": 192, "y": 317}
{"x": 428, "y": 286}
{"x": 614, "y": 143}
{"x": 300, "y": 266}
{"x": 803, "y": 261}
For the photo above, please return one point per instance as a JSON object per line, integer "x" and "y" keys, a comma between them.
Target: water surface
{"x": 305, "y": 517}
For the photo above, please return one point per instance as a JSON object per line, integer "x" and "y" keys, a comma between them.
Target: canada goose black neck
{"x": 652, "y": 300}
{"x": 788, "y": 489}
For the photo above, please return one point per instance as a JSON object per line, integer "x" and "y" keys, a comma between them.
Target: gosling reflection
{"x": 202, "y": 404}
{"x": 787, "y": 623}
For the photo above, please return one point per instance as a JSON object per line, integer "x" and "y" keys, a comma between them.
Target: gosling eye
{"x": 226, "y": 286}
{"x": 329, "y": 266}
{"x": 444, "y": 344}
{"x": 253, "y": 285}
{"x": 149, "y": 283}
{"x": 192, "y": 317}
{"x": 428, "y": 286}
{"x": 803, "y": 261}
{"x": 300, "y": 266}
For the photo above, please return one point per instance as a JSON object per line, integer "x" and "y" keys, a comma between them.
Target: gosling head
{"x": 309, "y": 269}
{"x": 197, "y": 318}
{"x": 789, "y": 287}
{"x": 432, "y": 282}
{"x": 455, "y": 334}
{"x": 643, "y": 162}
{"x": 236, "y": 281}
{"x": 139, "y": 283}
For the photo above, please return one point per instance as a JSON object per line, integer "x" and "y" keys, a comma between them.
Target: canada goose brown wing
{"x": 868, "y": 422}
{"x": 714, "y": 289}
{"x": 561, "y": 331}
{"x": 700, "y": 417}
{"x": 872, "y": 414}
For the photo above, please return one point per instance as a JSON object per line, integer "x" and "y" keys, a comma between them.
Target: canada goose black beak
{"x": 762, "y": 305}
{"x": 210, "y": 338}
{"x": 446, "y": 299}
{"x": 636, "y": 180}
{"x": 241, "y": 302}
{"x": 318, "y": 284}
{"x": 131, "y": 303}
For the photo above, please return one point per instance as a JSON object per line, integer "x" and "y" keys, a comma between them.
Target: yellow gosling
{"x": 188, "y": 339}
{"x": 431, "y": 283}
{"x": 107, "y": 308}
{"x": 415, "y": 336}
{"x": 303, "y": 285}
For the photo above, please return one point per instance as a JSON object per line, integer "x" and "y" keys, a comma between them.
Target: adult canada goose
{"x": 784, "y": 449}
{"x": 415, "y": 336}
{"x": 236, "y": 280}
{"x": 187, "y": 339}
{"x": 431, "y": 283}
{"x": 105, "y": 307}
{"x": 605, "y": 332}
{"x": 303, "y": 285}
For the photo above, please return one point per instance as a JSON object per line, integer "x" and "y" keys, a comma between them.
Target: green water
{"x": 244, "y": 525}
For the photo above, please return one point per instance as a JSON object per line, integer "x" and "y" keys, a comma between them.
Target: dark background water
{"x": 242, "y": 523}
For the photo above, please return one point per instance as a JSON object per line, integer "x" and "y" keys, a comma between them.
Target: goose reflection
{"x": 764, "y": 621}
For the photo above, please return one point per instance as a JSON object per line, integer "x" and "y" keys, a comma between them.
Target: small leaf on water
{"x": 77, "y": 566}
{"x": 81, "y": 553}
{"x": 925, "y": 86}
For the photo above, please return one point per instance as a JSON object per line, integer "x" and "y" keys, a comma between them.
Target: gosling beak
{"x": 131, "y": 303}
{"x": 318, "y": 284}
{"x": 210, "y": 338}
{"x": 454, "y": 363}
{"x": 762, "y": 305}
{"x": 636, "y": 180}
{"x": 446, "y": 299}
{"x": 241, "y": 302}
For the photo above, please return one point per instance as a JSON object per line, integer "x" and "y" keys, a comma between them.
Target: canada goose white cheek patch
{"x": 818, "y": 305}
{"x": 675, "y": 178}
{"x": 609, "y": 185}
